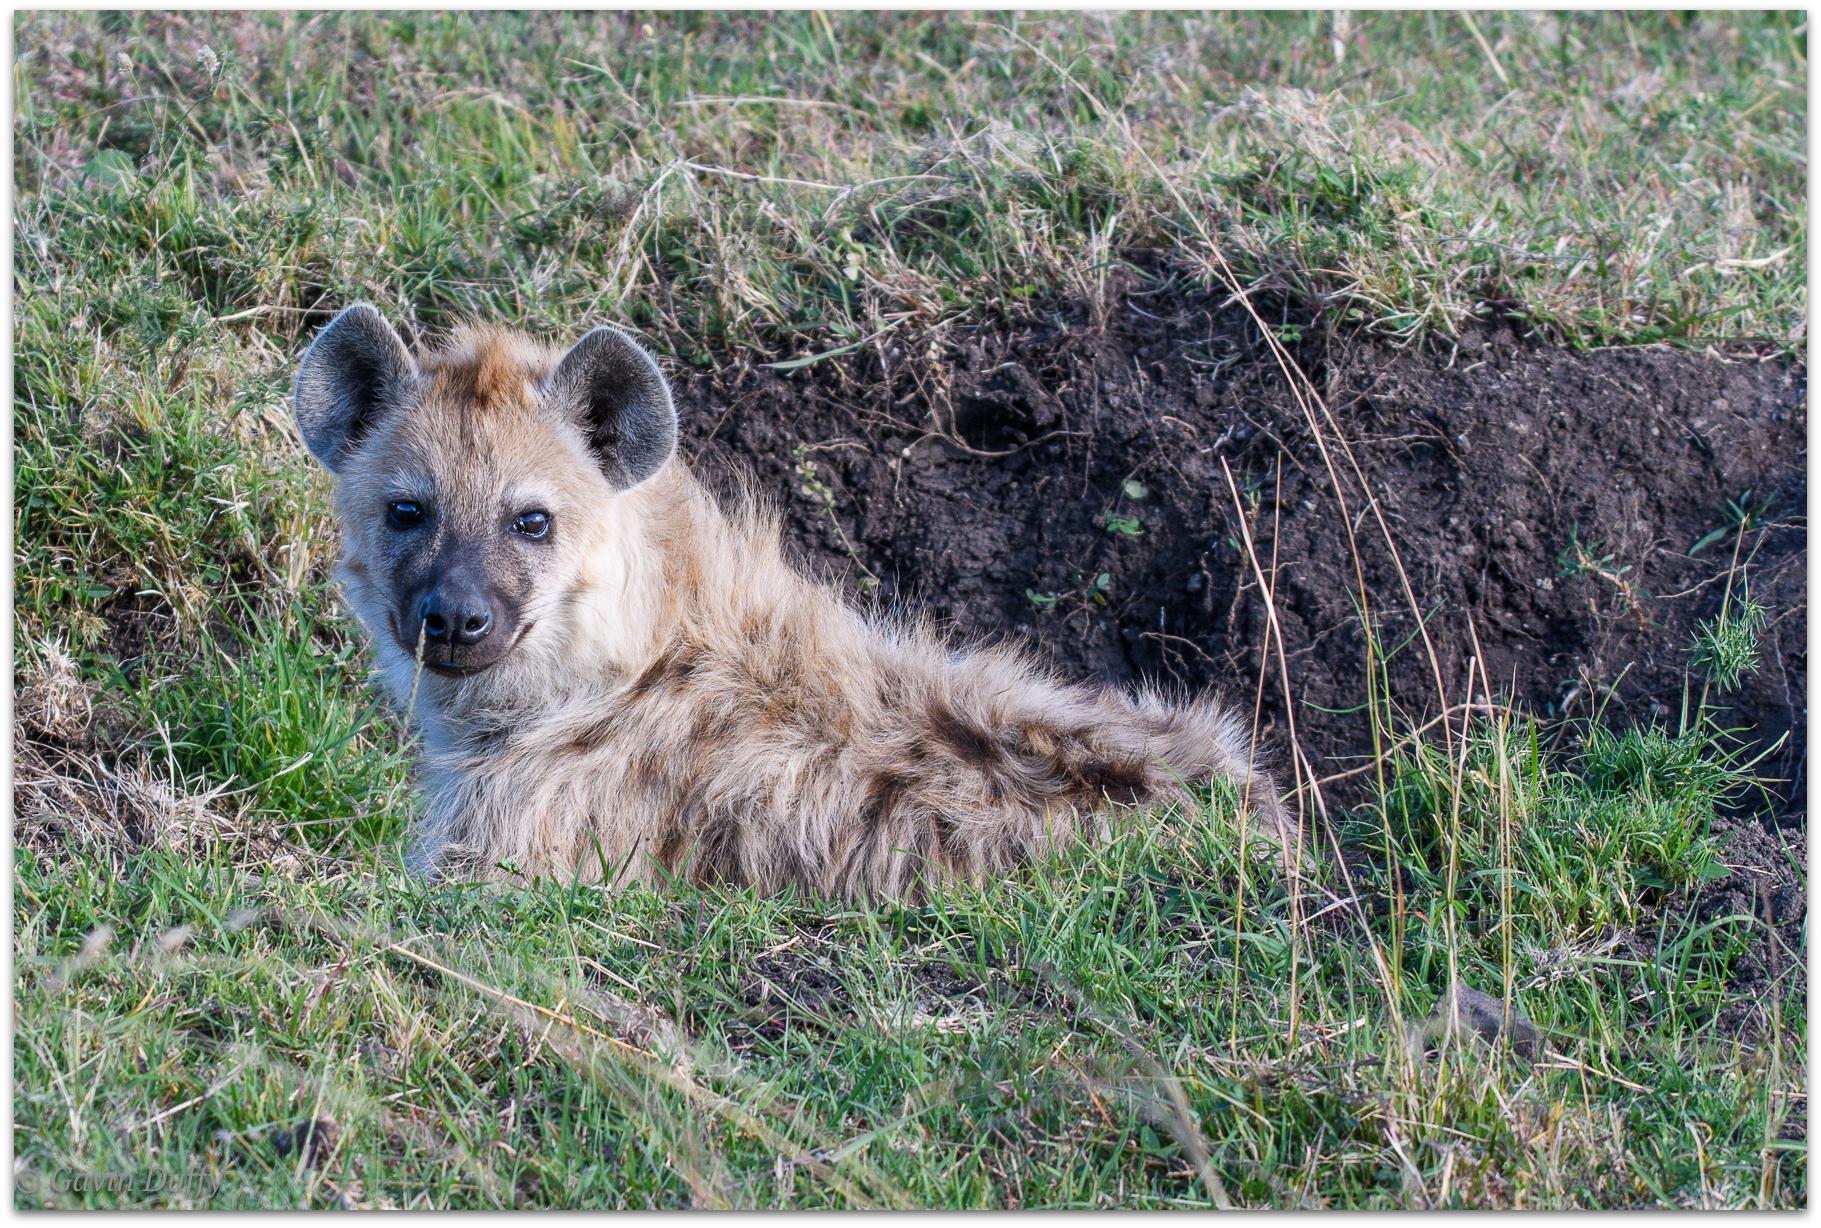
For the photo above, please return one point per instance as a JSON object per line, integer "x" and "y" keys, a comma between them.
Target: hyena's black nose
{"x": 456, "y": 617}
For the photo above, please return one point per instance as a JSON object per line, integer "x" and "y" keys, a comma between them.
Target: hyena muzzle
{"x": 617, "y": 678}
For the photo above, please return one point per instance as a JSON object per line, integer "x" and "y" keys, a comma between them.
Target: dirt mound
{"x": 1065, "y": 483}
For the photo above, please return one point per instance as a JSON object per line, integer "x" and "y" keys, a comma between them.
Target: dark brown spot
{"x": 793, "y": 869}
{"x": 973, "y": 745}
{"x": 645, "y": 774}
{"x": 948, "y": 836}
{"x": 1117, "y": 782}
{"x": 755, "y": 626}
{"x": 780, "y": 706}
{"x": 883, "y": 793}
{"x": 718, "y": 840}
{"x": 590, "y": 737}
{"x": 671, "y": 669}
{"x": 707, "y": 740}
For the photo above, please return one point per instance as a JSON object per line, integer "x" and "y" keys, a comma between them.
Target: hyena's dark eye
{"x": 403, "y": 515}
{"x": 532, "y": 524}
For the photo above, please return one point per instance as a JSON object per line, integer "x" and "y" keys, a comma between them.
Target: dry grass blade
{"x": 1292, "y": 857}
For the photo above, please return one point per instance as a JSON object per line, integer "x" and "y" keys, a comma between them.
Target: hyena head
{"x": 472, "y": 486}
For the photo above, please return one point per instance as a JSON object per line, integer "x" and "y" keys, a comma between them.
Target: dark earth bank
{"x": 1066, "y": 486}
{"x": 1063, "y": 483}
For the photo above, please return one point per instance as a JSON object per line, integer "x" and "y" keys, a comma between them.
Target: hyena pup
{"x": 622, "y": 680}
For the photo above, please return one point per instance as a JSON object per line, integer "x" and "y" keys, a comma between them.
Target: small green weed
{"x": 1726, "y": 647}
{"x": 1580, "y": 558}
{"x": 1741, "y": 515}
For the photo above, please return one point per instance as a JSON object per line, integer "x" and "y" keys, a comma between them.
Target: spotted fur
{"x": 676, "y": 700}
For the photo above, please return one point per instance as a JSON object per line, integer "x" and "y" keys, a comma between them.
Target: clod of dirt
{"x": 787, "y": 979}
{"x": 1465, "y": 1012}
{"x": 1766, "y": 881}
{"x": 313, "y": 1140}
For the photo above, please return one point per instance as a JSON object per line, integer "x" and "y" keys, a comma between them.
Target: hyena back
{"x": 624, "y": 681}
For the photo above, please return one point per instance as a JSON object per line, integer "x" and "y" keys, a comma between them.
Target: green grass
{"x": 1010, "y": 1046}
{"x": 286, "y": 718}
{"x": 759, "y": 182}
{"x": 213, "y": 938}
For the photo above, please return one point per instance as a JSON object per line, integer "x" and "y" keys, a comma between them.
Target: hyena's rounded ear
{"x": 350, "y": 377}
{"x": 611, "y": 388}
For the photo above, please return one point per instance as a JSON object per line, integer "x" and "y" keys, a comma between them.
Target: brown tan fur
{"x": 681, "y": 702}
